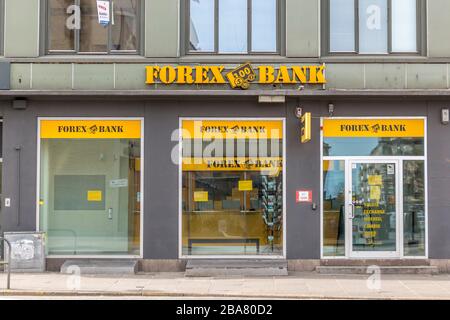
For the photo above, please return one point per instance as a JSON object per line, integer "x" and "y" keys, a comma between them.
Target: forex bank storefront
{"x": 374, "y": 190}
{"x": 89, "y": 186}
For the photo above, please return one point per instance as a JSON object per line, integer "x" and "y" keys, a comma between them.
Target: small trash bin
{"x": 27, "y": 251}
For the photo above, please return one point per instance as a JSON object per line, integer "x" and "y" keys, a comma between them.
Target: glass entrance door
{"x": 373, "y": 209}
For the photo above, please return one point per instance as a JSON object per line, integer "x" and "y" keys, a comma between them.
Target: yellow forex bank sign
{"x": 90, "y": 129}
{"x": 233, "y": 164}
{"x": 230, "y": 129}
{"x": 381, "y": 128}
{"x": 240, "y": 77}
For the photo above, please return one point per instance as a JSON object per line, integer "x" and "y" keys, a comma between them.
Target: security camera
{"x": 330, "y": 109}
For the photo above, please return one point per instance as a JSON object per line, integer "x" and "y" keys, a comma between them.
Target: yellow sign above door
{"x": 373, "y": 128}
{"x": 90, "y": 129}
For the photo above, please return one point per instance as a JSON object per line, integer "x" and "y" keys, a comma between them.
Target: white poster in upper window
{"x": 103, "y": 12}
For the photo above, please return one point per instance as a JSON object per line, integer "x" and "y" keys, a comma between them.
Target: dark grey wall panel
{"x": 303, "y": 172}
{"x": 5, "y": 75}
{"x": 19, "y": 170}
{"x": 160, "y": 183}
{"x": 438, "y": 183}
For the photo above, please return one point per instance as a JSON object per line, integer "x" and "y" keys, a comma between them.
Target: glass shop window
{"x": 90, "y": 26}
{"x": 90, "y": 186}
{"x": 414, "y": 221}
{"x": 232, "y": 187}
{"x": 333, "y": 208}
{"x": 334, "y": 146}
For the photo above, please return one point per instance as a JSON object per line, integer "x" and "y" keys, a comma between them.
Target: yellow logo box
{"x": 372, "y": 128}
{"x": 90, "y": 129}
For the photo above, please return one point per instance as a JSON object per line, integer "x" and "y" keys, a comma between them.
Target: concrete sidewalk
{"x": 297, "y": 285}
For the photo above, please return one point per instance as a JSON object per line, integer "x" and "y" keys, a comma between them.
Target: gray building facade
{"x": 93, "y": 118}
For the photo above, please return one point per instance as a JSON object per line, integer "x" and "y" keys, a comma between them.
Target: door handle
{"x": 110, "y": 212}
{"x": 352, "y": 211}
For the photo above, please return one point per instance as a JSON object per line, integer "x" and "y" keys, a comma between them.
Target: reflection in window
{"x": 124, "y": 29}
{"x": 414, "y": 208}
{"x": 374, "y": 222}
{"x": 93, "y": 36}
{"x": 372, "y": 28}
{"x": 230, "y": 22}
{"x": 78, "y": 19}
{"x": 373, "y": 147}
{"x": 404, "y": 33}
{"x": 60, "y": 37}
{"x": 264, "y": 25}
{"x": 232, "y": 189}
{"x": 333, "y": 208}
{"x": 202, "y": 25}
{"x": 225, "y": 218}
{"x": 342, "y": 26}
{"x": 232, "y": 26}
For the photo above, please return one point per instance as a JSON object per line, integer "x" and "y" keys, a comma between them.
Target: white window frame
{"x": 250, "y": 51}
{"x": 38, "y": 183}
{"x": 180, "y": 195}
{"x": 421, "y": 34}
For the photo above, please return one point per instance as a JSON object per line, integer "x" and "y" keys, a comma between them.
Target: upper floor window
{"x": 91, "y": 26}
{"x": 233, "y": 26}
{"x": 374, "y": 26}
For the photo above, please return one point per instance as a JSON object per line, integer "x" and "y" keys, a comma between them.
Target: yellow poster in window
{"x": 245, "y": 185}
{"x": 373, "y": 128}
{"x": 375, "y": 193}
{"x": 201, "y": 196}
{"x": 375, "y": 180}
{"x": 90, "y": 129}
{"x": 94, "y": 195}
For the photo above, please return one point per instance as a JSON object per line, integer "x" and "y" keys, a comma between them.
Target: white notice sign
{"x": 119, "y": 183}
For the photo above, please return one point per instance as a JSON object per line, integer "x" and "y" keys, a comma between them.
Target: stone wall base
{"x": 443, "y": 265}
{"x": 303, "y": 265}
{"x": 177, "y": 265}
{"x": 162, "y": 265}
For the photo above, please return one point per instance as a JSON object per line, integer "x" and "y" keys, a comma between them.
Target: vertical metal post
{"x": 8, "y": 281}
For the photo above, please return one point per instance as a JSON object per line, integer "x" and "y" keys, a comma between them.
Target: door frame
{"x": 349, "y": 222}
{"x": 401, "y": 159}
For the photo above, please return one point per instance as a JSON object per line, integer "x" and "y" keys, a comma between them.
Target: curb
{"x": 181, "y": 295}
